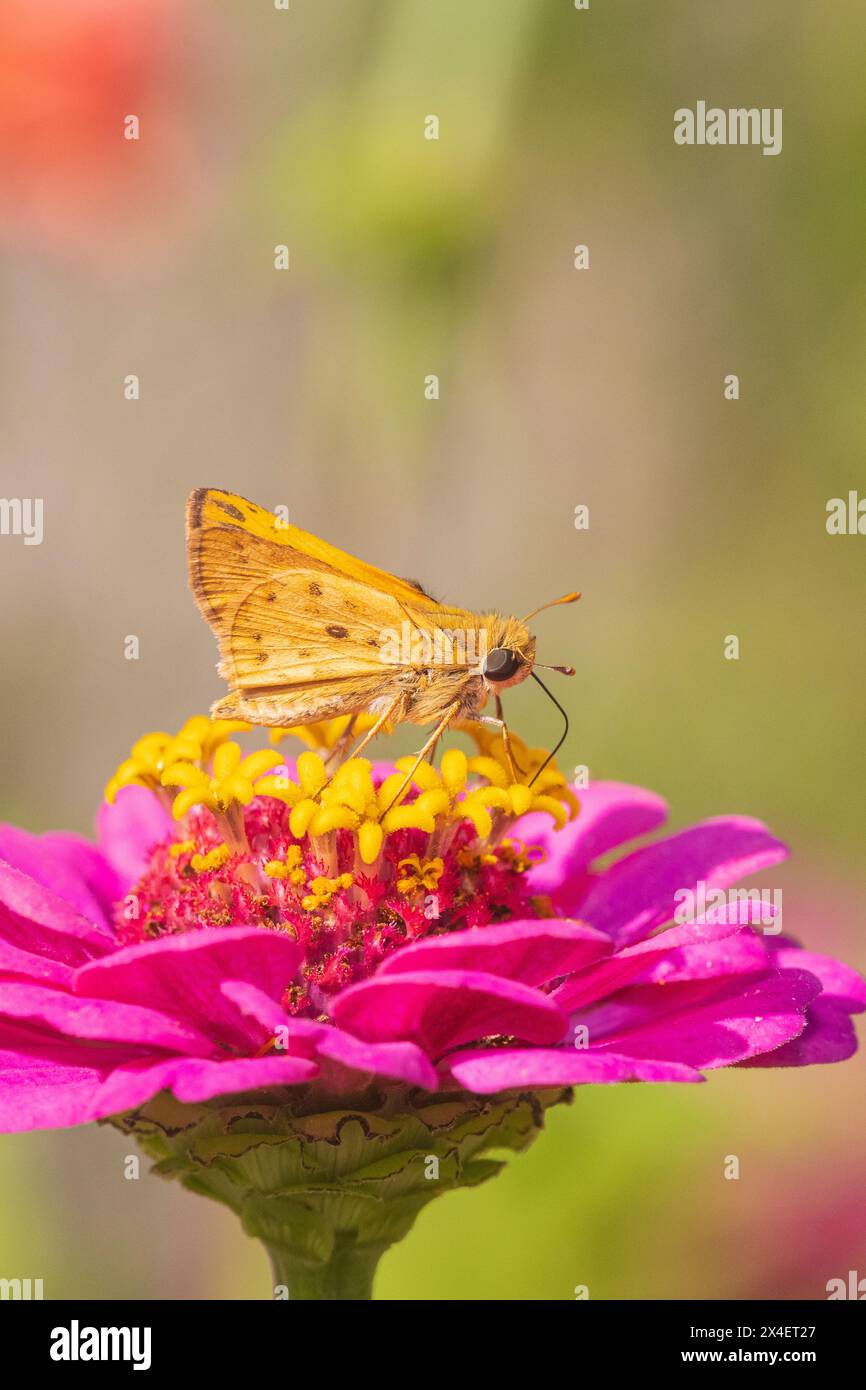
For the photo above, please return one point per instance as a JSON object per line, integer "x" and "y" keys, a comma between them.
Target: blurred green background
{"x": 558, "y": 387}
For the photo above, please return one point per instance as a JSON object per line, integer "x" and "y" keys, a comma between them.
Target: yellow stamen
{"x": 231, "y": 783}
{"x": 214, "y": 859}
{"x": 323, "y": 889}
{"x": 289, "y": 867}
{"x": 423, "y": 874}
{"x": 370, "y": 837}
{"x": 150, "y": 755}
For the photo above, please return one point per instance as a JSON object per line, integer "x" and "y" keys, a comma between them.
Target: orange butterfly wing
{"x": 302, "y": 626}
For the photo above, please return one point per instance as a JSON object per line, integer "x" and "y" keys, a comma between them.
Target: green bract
{"x": 327, "y": 1193}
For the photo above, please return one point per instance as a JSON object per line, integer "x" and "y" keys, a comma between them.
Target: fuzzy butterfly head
{"x": 510, "y": 654}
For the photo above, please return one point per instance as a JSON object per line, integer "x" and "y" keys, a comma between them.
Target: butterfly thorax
{"x": 435, "y": 687}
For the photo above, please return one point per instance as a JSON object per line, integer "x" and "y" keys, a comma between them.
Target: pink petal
{"x": 270, "y": 1015}
{"x": 68, "y": 865}
{"x": 400, "y": 1061}
{"x": 181, "y": 975}
{"x": 828, "y": 1036}
{"x": 15, "y": 962}
{"x": 97, "y": 1019}
{"x": 194, "y": 1079}
{"x": 724, "y": 1031}
{"x": 530, "y": 951}
{"x": 611, "y": 814}
{"x": 380, "y": 771}
{"x": 55, "y": 1097}
{"x": 48, "y": 1085}
{"x": 34, "y": 919}
{"x": 606, "y": 976}
{"x": 838, "y": 982}
{"x": 502, "y": 1069}
{"x": 637, "y": 894}
{"x": 129, "y": 830}
{"x": 439, "y": 1009}
{"x": 41, "y": 1088}
{"x": 743, "y": 953}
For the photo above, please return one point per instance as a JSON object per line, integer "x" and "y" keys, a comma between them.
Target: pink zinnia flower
{"x": 356, "y": 991}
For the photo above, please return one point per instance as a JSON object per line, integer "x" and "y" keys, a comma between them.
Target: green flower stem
{"x": 348, "y": 1274}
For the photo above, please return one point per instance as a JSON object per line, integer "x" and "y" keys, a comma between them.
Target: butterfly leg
{"x": 499, "y": 723}
{"x": 335, "y": 757}
{"x": 437, "y": 733}
{"x": 433, "y": 751}
{"x": 370, "y": 734}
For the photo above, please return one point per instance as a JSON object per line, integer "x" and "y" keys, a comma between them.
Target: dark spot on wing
{"x": 335, "y": 630}
{"x": 229, "y": 509}
{"x": 262, "y": 656}
{"x": 271, "y": 598}
{"x": 315, "y": 589}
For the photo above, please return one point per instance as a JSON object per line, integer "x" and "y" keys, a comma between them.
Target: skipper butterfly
{"x": 308, "y": 633}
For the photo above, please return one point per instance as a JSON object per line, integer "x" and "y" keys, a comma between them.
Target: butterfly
{"x": 308, "y": 633}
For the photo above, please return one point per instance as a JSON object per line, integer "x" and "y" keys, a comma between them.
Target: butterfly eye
{"x": 501, "y": 664}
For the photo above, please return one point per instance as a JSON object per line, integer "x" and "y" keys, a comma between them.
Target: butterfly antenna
{"x": 554, "y": 603}
{"x": 552, "y": 697}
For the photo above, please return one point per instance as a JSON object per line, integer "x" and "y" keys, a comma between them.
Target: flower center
{"x": 347, "y": 918}
{"x": 333, "y": 859}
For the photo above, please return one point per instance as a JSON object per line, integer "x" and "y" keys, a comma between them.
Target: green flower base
{"x": 328, "y": 1191}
